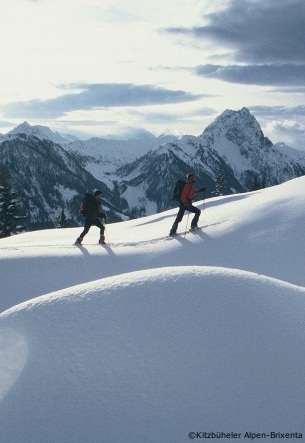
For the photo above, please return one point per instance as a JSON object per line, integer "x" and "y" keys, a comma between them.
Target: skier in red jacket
{"x": 188, "y": 193}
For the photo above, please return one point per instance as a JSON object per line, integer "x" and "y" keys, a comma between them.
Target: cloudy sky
{"x": 103, "y": 68}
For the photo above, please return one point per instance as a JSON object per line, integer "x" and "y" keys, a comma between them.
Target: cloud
{"x": 289, "y": 90}
{"x": 290, "y": 127}
{"x": 290, "y": 132}
{"x": 116, "y": 14}
{"x": 5, "y": 124}
{"x": 97, "y": 96}
{"x": 279, "y": 111}
{"x": 257, "y": 31}
{"x": 278, "y": 75}
{"x": 283, "y": 123}
{"x": 88, "y": 122}
{"x": 167, "y": 116}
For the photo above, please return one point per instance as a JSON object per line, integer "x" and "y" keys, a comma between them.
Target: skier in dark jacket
{"x": 188, "y": 193}
{"x": 91, "y": 209}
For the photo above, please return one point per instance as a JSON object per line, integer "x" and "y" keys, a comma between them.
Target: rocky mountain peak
{"x": 41, "y": 132}
{"x": 236, "y": 129}
{"x": 242, "y": 121}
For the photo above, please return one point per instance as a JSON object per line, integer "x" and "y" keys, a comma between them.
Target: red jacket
{"x": 188, "y": 194}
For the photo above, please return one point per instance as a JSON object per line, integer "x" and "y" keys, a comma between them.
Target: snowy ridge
{"x": 102, "y": 157}
{"x": 42, "y": 132}
{"x": 130, "y": 373}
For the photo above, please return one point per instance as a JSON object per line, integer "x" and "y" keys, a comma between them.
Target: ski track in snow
{"x": 113, "y": 244}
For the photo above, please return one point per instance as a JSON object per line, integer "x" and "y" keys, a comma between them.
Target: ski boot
{"x": 78, "y": 241}
{"x": 173, "y": 233}
{"x": 102, "y": 240}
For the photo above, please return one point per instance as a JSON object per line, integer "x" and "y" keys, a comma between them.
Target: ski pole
{"x": 106, "y": 236}
{"x": 187, "y": 222}
{"x": 203, "y": 199}
{"x": 105, "y": 230}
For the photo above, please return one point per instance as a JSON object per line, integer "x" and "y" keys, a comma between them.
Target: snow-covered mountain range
{"x": 155, "y": 339}
{"x": 232, "y": 155}
{"x": 48, "y": 180}
{"x": 41, "y": 132}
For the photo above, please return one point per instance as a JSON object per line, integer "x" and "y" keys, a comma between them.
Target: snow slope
{"x": 148, "y": 338}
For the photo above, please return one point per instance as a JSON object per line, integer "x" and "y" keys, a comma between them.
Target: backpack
{"x": 86, "y": 204}
{"x": 177, "y": 191}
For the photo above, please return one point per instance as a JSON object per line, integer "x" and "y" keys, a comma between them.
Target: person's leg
{"x": 100, "y": 225}
{"x": 87, "y": 226}
{"x": 178, "y": 219}
{"x": 195, "y": 211}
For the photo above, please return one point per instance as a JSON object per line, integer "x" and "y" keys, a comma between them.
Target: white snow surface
{"x": 150, "y": 338}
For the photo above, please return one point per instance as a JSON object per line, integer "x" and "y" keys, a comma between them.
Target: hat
{"x": 97, "y": 193}
{"x": 190, "y": 175}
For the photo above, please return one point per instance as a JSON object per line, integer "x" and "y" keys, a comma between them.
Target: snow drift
{"x": 153, "y": 355}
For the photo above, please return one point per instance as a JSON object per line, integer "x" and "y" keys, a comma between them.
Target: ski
{"x": 89, "y": 244}
{"x": 178, "y": 234}
{"x": 172, "y": 236}
{"x": 194, "y": 229}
